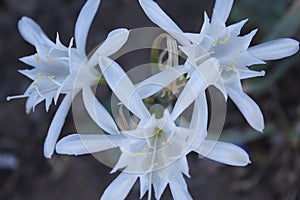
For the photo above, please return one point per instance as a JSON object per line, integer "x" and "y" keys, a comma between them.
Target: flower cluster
{"x": 153, "y": 149}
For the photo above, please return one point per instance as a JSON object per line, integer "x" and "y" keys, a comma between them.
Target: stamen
{"x": 49, "y": 59}
{"x": 152, "y": 166}
{"x": 39, "y": 78}
{"x": 216, "y": 42}
{"x": 169, "y": 141}
{"x": 140, "y": 154}
{"x": 160, "y": 175}
{"x": 233, "y": 66}
{"x": 166, "y": 157}
{"x": 149, "y": 147}
{"x": 225, "y": 40}
{"x": 224, "y": 68}
{"x": 37, "y": 58}
{"x": 49, "y": 76}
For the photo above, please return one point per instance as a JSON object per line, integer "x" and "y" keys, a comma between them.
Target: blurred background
{"x": 275, "y": 154}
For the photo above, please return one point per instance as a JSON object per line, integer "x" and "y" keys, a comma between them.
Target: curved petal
{"x": 159, "y": 81}
{"x": 97, "y": 112}
{"x": 160, "y": 18}
{"x": 200, "y": 117}
{"x": 246, "y": 105}
{"x": 120, "y": 187}
{"x": 114, "y": 41}
{"x": 56, "y": 125}
{"x": 77, "y": 144}
{"x": 32, "y": 32}
{"x": 275, "y": 49}
{"x": 222, "y": 10}
{"x": 83, "y": 24}
{"x": 223, "y": 152}
{"x": 123, "y": 88}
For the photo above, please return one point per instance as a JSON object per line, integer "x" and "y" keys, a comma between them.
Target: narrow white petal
{"x": 32, "y": 32}
{"x": 77, "y": 144}
{"x": 159, "y": 81}
{"x": 202, "y": 76}
{"x": 223, "y": 152}
{"x": 56, "y": 125}
{"x": 179, "y": 192}
{"x": 114, "y": 41}
{"x": 32, "y": 101}
{"x": 160, "y": 18}
{"x": 275, "y": 49}
{"x": 219, "y": 84}
{"x": 144, "y": 184}
{"x": 246, "y": 105}
{"x": 194, "y": 37}
{"x": 194, "y": 87}
{"x": 200, "y": 114}
{"x": 83, "y": 24}
{"x": 159, "y": 185}
{"x": 123, "y": 88}
{"x": 222, "y": 9}
{"x": 247, "y": 73}
{"x": 235, "y": 29}
{"x": 97, "y": 112}
{"x": 206, "y": 25}
{"x": 48, "y": 102}
{"x": 120, "y": 187}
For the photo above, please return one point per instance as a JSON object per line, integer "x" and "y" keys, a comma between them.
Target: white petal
{"x": 200, "y": 114}
{"x": 206, "y": 25}
{"x": 97, "y": 112}
{"x": 224, "y": 152}
{"x": 32, "y": 101}
{"x": 179, "y": 192}
{"x": 194, "y": 37}
{"x": 159, "y": 81}
{"x": 159, "y": 185}
{"x": 222, "y": 9}
{"x": 77, "y": 144}
{"x": 84, "y": 22}
{"x": 219, "y": 84}
{"x": 247, "y": 73}
{"x": 246, "y": 105}
{"x": 56, "y": 125}
{"x": 201, "y": 78}
{"x": 120, "y": 187}
{"x": 114, "y": 41}
{"x": 32, "y": 32}
{"x": 194, "y": 87}
{"x": 123, "y": 88}
{"x": 144, "y": 184}
{"x": 275, "y": 49}
{"x": 160, "y": 18}
{"x": 235, "y": 29}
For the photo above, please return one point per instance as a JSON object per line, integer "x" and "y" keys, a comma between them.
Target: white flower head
{"x": 155, "y": 151}
{"x": 56, "y": 67}
{"x": 219, "y": 56}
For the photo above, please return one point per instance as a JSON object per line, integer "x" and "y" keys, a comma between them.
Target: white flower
{"x": 155, "y": 151}
{"x": 219, "y": 56}
{"x": 57, "y": 68}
